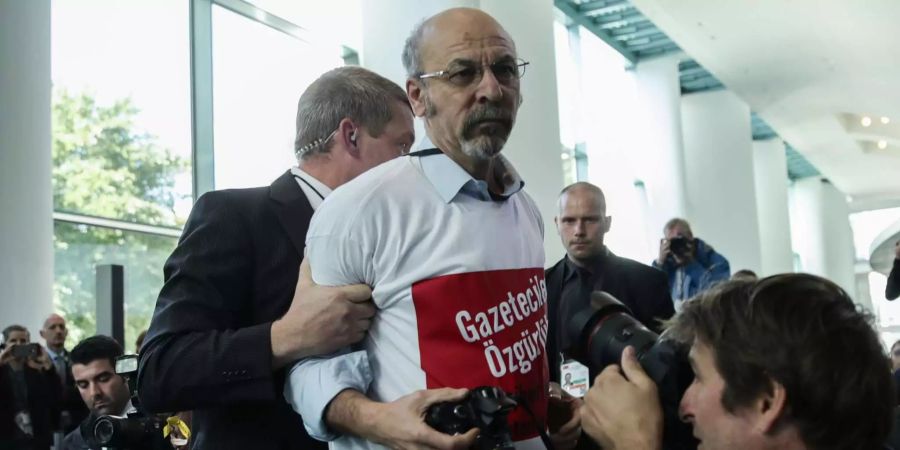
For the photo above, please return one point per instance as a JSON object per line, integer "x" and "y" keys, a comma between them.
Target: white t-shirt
{"x": 457, "y": 278}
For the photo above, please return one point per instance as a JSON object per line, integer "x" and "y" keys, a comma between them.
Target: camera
{"x": 600, "y": 333}
{"x": 484, "y": 407}
{"x": 26, "y": 351}
{"x": 679, "y": 245}
{"x": 137, "y": 431}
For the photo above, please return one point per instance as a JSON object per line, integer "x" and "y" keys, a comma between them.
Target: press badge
{"x": 575, "y": 378}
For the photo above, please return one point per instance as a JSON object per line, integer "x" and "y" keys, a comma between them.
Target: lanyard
{"x": 310, "y": 186}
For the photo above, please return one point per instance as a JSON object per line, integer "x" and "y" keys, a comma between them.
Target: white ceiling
{"x": 811, "y": 69}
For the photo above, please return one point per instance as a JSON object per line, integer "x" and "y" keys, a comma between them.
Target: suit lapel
{"x": 292, "y": 209}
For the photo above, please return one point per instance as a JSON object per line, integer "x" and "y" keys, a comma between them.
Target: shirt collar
{"x": 571, "y": 269}
{"x": 320, "y": 190}
{"x": 53, "y": 354}
{"x": 450, "y": 179}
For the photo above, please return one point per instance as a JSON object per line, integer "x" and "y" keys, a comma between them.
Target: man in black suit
{"x": 590, "y": 266}
{"x": 231, "y": 314}
{"x": 72, "y": 409}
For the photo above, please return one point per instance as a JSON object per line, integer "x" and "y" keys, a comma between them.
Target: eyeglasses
{"x": 505, "y": 72}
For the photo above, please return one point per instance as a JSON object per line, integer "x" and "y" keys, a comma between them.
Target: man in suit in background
{"x": 590, "y": 266}
{"x": 231, "y": 314}
{"x": 72, "y": 409}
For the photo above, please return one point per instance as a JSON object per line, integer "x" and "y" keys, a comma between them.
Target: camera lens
{"x": 104, "y": 430}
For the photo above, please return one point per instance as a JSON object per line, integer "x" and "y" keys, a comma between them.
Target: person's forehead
{"x": 18, "y": 335}
{"x": 92, "y": 369}
{"x": 54, "y": 320}
{"x": 466, "y": 40}
{"x": 583, "y": 200}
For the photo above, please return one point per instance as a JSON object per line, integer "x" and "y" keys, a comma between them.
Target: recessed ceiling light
{"x": 565, "y": 156}
{"x": 885, "y": 120}
{"x": 882, "y": 145}
{"x": 866, "y": 121}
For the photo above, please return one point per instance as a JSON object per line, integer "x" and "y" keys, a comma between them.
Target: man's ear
{"x": 416, "y": 93}
{"x": 607, "y": 224}
{"x": 348, "y": 136}
{"x": 556, "y": 222}
{"x": 769, "y": 408}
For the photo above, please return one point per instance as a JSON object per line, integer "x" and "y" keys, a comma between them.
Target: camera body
{"x": 486, "y": 408}
{"x": 600, "y": 334}
{"x": 679, "y": 246}
{"x": 137, "y": 431}
{"x": 26, "y": 351}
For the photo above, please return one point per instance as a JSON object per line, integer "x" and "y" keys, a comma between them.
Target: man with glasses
{"x": 232, "y": 315}
{"x": 453, "y": 249}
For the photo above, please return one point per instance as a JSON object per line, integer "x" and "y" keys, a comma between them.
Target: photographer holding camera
{"x": 786, "y": 362}
{"x": 690, "y": 263}
{"x": 103, "y": 391}
{"x": 29, "y": 393}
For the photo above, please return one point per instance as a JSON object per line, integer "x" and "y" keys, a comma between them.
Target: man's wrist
{"x": 281, "y": 352}
{"x": 351, "y": 412}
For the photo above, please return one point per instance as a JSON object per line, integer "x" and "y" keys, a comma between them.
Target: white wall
{"x": 26, "y": 201}
{"x": 770, "y": 175}
{"x": 820, "y": 231}
{"x": 534, "y": 147}
{"x": 718, "y": 151}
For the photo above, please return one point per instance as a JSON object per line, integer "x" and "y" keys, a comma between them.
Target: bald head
{"x": 582, "y": 222}
{"x": 456, "y": 24}
{"x": 586, "y": 191}
{"x": 54, "y": 332}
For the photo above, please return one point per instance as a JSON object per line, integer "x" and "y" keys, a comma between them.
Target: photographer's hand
{"x": 568, "y": 408}
{"x": 41, "y": 361}
{"x": 664, "y": 252}
{"x": 6, "y": 355}
{"x": 399, "y": 424}
{"x": 320, "y": 319}
{"x": 624, "y": 413}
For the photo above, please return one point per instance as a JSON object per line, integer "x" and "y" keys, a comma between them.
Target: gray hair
{"x": 672, "y": 223}
{"x": 410, "y": 56}
{"x": 346, "y": 92}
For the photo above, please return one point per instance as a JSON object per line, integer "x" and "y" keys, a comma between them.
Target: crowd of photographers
{"x": 421, "y": 315}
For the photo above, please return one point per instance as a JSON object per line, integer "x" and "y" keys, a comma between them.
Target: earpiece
{"x": 353, "y": 137}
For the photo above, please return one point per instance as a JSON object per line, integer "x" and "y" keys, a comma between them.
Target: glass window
{"x": 121, "y": 109}
{"x": 258, "y": 76}
{"x": 335, "y": 21}
{"x": 79, "y": 248}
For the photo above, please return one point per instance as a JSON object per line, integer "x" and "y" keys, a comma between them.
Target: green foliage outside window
{"x": 102, "y": 166}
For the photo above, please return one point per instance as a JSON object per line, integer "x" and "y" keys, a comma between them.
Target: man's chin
{"x": 484, "y": 147}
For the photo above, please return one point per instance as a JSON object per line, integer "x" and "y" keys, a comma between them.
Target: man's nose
{"x": 579, "y": 228}
{"x": 684, "y": 411}
{"x": 489, "y": 89}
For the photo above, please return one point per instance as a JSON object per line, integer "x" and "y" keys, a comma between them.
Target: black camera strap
{"x": 544, "y": 436}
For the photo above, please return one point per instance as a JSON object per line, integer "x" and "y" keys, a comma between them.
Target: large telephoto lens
{"x": 601, "y": 332}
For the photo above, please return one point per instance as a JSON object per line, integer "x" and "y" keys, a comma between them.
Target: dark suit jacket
{"x": 74, "y": 441}
{"x": 43, "y": 405}
{"x": 208, "y": 348}
{"x": 643, "y": 289}
{"x": 71, "y": 402}
{"x": 892, "y": 288}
